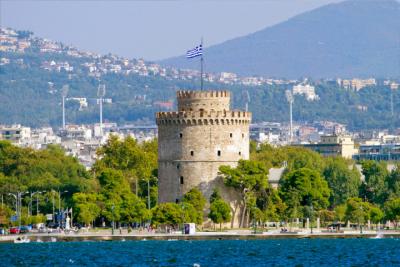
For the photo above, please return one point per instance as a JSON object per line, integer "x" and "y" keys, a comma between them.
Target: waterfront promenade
{"x": 106, "y": 235}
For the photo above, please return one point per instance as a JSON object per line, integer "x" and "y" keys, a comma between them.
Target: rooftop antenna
{"x": 101, "y": 92}
{"x": 64, "y": 93}
{"x": 290, "y": 99}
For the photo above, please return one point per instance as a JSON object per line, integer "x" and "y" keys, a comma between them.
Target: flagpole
{"x": 201, "y": 65}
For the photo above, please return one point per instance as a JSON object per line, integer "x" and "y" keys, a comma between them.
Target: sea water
{"x": 272, "y": 252}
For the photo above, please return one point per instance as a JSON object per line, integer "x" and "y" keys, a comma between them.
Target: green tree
{"x": 25, "y": 169}
{"x": 198, "y": 201}
{"x": 86, "y": 208}
{"x": 340, "y": 212}
{"x": 248, "y": 178}
{"x": 220, "y": 212}
{"x": 167, "y": 214}
{"x": 215, "y": 195}
{"x": 376, "y": 214}
{"x": 393, "y": 182}
{"x": 304, "y": 187}
{"x": 357, "y": 211}
{"x": 392, "y": 210}
{"x": 343, "y": 182}
{"x": 137, "y": 162}
{"x": 133, "y": 209}
{"x": 374, "y": 189}
{"x": 326, "y": 216}
{"x": 113, "y": 189}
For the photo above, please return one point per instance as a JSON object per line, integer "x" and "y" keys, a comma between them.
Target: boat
{"x": 53, "y": 239}
{"x": 23, "y": 239}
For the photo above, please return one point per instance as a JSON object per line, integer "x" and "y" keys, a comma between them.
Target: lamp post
{"x": 59, "y": 208}
{"x": 59, "y": 200}
{"x": 362, "y": 210}
{"x": 18, "y": 204}
{"x": 311, "y": 216}
{"x": 32, "y": 194}
{"x": 113, "y": 222}
{"x": 148, "y": 193}
{"x": 52, "y": 200}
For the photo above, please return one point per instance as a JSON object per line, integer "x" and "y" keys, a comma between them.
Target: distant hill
{"x": 355, "y": 38}
{"x": 31, "y": 79}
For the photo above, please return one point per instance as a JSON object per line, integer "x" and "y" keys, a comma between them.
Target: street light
{"x": 59, "y": 200}
{"x": 60, "y": 223}
{"x": 113, "y": 222}
{"x": 37, "y": 202}
{"x": 311, "y": 216}
{"x": 18, "y": 204}
{"x": 148, "y": 193}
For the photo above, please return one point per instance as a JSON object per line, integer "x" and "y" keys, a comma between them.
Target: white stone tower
{"x": 196, "y": 140}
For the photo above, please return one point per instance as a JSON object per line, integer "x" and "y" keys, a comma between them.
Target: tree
{"x": 198, "y": 201}
{"x": 357, "y": 210}
{"x": 215, "y": 195}
{"x": 167, "y": 214}
{"x": 85, "y": 207}
{"x": 272, "y": 205}
{"x": 376, "y": 214}
{"x": 189, "y": 214}
{"x": 299, "y": 157}
{"x": 25, "y": 169}
{"x": 374, "y": 188}
{"x": 113, "y": 189}
{"x": 392, "y": 210}
{"x": 393, "y": 182}
{"x": 340, "y": 212}
{"x": 133, "y": 209}
{"x": 220, "y": 212}
{"x": 304, "y": 187}
{"x": 326, "y": 216}
{"x": 343, "y": 182}
{"x": 248, "y": 178}
{"x": 137, "y": 163}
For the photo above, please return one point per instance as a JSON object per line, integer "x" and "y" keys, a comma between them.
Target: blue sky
{"x": 148, "y": 29}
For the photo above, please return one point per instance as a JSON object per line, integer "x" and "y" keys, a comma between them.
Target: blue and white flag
{"x": 195, "y": 52}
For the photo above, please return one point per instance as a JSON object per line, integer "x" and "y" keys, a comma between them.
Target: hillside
{"x": 33, "y": 71}
{"x": 355, "y": 38}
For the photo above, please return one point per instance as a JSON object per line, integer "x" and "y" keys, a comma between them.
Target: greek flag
{"x": 195, "y": 52}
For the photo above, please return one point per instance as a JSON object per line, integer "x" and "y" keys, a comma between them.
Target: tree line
{"x": 122, "y": 187}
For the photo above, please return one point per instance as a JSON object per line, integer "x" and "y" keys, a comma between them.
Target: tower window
{"x": 219, "y": 153}
{"x": 240, "y": 153}
{"x": 230, "y": 135}
{"x": 180, "y": 135}
{"x": 181, "y": 179}
{"x": 178, "y": 166}
{"x": 192, "y": 153}
{"x": 242, "y": 135}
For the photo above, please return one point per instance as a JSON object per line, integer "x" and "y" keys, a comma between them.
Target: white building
{"x": 307, "y": 90}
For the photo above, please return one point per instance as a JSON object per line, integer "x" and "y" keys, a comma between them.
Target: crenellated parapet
{"x": 201, "y": 94}
{"x": 203, "y": 100}
{"x": 203, "y": 117}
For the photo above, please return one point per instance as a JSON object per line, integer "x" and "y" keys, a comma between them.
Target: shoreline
{"x": 61, "y": 237}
